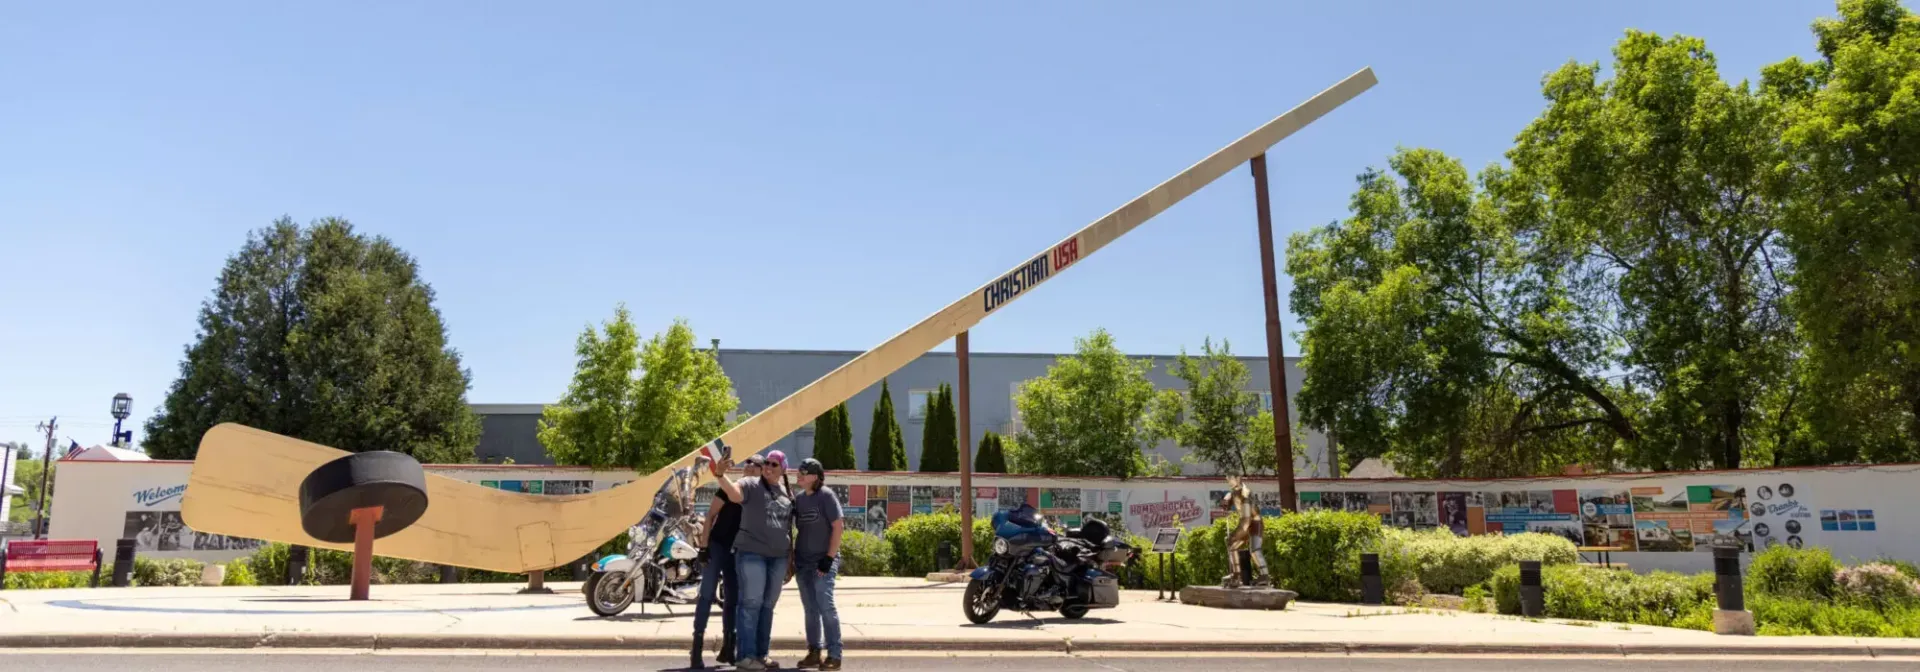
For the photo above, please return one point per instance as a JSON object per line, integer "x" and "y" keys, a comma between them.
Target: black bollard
{"x": 123, "y": 563}
{"x": 1732, "y": 618}
{"x": 1246, "y": 567}
{"x": 1371, "y": 591}
{"x": 1532, "y": 600}
{"x": 99, "y": 563}
{"x": 1726, "y": 579}
{"x": 296, "y": 565}
{"x": 943, "y": 556}
{"x": 449, "y": 574}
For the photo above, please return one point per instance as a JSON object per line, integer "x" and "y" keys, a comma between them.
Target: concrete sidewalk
{"x": 876, "y": 614}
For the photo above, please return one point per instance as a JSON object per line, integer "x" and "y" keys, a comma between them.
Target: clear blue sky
{"x": 791, "y": 175}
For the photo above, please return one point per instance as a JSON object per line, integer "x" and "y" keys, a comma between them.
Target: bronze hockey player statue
{"x": 1247, "y": 536}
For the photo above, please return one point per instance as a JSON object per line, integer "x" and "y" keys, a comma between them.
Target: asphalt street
{"x": 431, "y": 661}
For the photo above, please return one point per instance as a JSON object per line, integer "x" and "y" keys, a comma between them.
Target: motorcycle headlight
{"x": 1000, "y": 546}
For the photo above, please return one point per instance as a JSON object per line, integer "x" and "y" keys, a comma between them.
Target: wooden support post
{"x": 363, "y": 520}
{"x": 1276, "y": 361}
{"x": 536, "y": 584}
{"x": 966, "y": 459}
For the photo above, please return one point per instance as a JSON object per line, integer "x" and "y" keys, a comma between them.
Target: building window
{"x": 917, "y": 401}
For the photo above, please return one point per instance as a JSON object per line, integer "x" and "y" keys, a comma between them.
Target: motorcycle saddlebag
{"x": 1114, "y": 554}
{"x": 1106, "y": 592}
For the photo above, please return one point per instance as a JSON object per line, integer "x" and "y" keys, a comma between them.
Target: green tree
{"x": 833, "y": 439}
{"x": 1430, "y": 298}
{"x": 593, "y": 423}
{"x": 1087, "y": 416}
{"x": 1214, "y": 419}
{"x": 26, "y": 474}
{"x": 325, "y": 335}
{"x": 992, "y": 458}
{"x": 939, "y": 443}
{"x": 886, "y": 449}
{"x": 680, "y": 399}
{"x": 1852, "y": 174}
{"x": 1659, "y": 179}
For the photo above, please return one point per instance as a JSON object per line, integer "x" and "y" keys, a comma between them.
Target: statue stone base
{"x": 1220, "y": 597}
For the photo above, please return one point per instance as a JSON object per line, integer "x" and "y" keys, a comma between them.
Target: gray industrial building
{"x": 763, "y": 377}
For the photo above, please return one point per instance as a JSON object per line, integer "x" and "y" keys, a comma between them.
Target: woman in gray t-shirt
{"x": 760, "y": 553}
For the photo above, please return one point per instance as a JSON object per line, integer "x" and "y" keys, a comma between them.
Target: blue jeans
{"x": 760, "y": 581}
{"x": 720, "y": 566}
{"x": 816, "y": 597}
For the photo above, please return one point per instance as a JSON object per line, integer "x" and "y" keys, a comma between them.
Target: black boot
{"x": 695, "y": 663}
{"x": 725, "y": 656}
{"x": 811, "y": 661}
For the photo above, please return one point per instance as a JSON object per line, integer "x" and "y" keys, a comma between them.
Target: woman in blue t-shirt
{"x": 760, "y": 551}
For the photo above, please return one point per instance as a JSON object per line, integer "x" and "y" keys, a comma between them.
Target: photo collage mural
{"x": 1625, "y": 518}
{"x": 1652, "y": 518}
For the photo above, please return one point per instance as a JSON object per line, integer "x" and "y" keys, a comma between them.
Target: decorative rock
{"x": 213, "y": 574}
{"x": 950, "y": 577}
{"x": 1237, "y": 598}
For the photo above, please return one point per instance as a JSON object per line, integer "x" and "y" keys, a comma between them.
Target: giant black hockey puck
{"x": 393, "y": 481}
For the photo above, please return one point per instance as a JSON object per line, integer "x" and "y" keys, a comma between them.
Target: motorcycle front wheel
{"x": 604, "y": 595}
{"x": 980, "y": 602}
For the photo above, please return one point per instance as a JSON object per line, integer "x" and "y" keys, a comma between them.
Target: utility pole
{"x": 46, "y": 459}
{"x": 6, "y": 482}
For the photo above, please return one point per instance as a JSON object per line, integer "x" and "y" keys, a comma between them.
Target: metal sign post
{"x": 1165, "y": 539}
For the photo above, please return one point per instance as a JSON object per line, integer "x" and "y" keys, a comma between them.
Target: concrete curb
{"x": 414, "y": 641}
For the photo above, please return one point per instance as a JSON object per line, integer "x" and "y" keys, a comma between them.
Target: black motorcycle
{"x": 1035, "y": 569}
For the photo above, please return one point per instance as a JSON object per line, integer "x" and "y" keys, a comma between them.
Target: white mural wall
{"x": 1656, "y": 521}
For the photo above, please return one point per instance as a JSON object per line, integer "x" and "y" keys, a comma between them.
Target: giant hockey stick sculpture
{"x": 246, "y": 482}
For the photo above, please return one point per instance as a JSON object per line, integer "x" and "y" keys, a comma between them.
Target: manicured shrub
{"x": 1446, "y": 563}
{"x": 49, "y": 580}
{"x": 1317, "y": 554}
{"x": 167, "y": 572}
{"x": 863, "y": 554}
{"x": 1313, "y": 553}
{"x": 915, "y": 539}
{"x": 1793, "y": 572}
{"x": 1600, "y": 594}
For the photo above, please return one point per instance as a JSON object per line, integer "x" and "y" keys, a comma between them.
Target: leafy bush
{"x": 915, "y": 539}
{"x": 1477, "y": 599}
{"x": 863, "y": 554}
{"x": 268, "y": 564}
{"x": 1785, "y": 571}
{"x": 1449, "y": 564}
{"x": 1313, "y": 553}
{"x": 48, "y": 580}
{"x": 1600, "y": 594}
{"x": 1877, "y": 584}
{"x": 238, "y": 574}
{"x": 1790, "y": 592}
{"x": 1317, "y": 554}
{"x": 1775, "y": 615}
{"x": 167, "y": 572}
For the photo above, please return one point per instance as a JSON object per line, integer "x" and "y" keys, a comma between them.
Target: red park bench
{"x": 51, "y": 556}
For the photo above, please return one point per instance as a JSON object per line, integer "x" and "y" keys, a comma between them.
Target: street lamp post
{"x": 122, "y": 407}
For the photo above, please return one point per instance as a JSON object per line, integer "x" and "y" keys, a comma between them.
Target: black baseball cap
{"x": 812, "y": 466}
